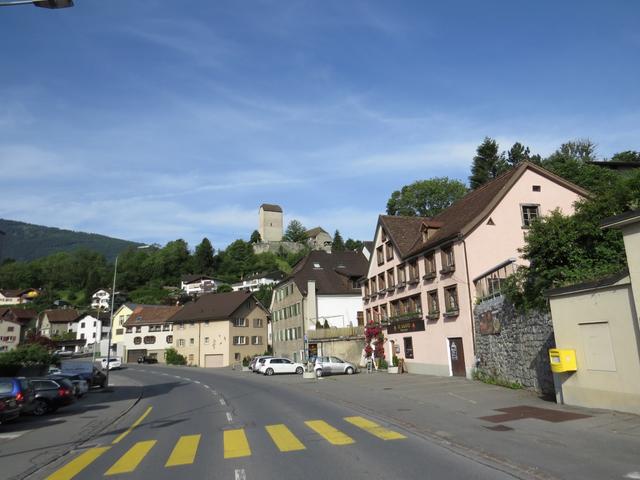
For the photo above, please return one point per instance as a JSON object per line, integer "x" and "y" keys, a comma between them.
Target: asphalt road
{"x": 208, "y": 424}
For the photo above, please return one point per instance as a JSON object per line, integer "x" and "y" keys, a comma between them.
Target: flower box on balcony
{"x": 401, "y": 284}
{"x": 452, "y": 313}
{"x": 391, "y": 288}
{"x": 382, "y": 292}
{"x": 447, "y": 269}
{"x": 413, "y": 281}
{"x": 429, "y": 276}
{"x": 433, "y": 316}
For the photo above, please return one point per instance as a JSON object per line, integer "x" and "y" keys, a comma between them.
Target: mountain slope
{"x": 24, "y": 241}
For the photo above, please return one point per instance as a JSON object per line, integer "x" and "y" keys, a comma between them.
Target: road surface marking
{"x": 633, "y": 475}
{"x": 135, "y": 424}
{"x": 187, "y": 379}
{"x": 236, "y": 444}
{"x": 207, "y": 386}
{"x": 184, "y": 453}
{"x": 130, "y": 460}
{"x": 11, "y": 436}
{"x": 75, "y": 466}
{"x": 463, "y": 398}
{"x": 197, "y": 381}
{"x": 229, "y": 417}
{"x": 222, "y": 402}
{"x": 330, "y": 434}
{"x": 374, "y": 429}
{"x": 214, "y": 392}
{"x": 284, "y": 439}
{"x": 240, "y": 475}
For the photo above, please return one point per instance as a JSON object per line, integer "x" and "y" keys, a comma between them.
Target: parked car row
{"x": 325, "y": 365}
{"x": 40, "y": 395}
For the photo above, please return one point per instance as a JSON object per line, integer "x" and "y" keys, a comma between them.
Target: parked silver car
{"x": 333, "y": 366}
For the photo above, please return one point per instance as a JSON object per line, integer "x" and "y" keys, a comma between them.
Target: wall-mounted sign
{"x": 405, "y": 326}
{"x": 489, "y": 325}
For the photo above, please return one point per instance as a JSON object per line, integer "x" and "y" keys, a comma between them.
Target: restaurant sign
{"x": 415, "y": 324}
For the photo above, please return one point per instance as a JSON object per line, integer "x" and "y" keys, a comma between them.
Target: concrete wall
{"x": 518, "y": 351}
{"x": 348, "y": 350}
{"x": 275, "y": 247}
{"x": 602, "y": 327}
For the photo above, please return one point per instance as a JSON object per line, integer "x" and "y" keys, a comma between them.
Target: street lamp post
{"x": 113, "y": 298}
{"x": 53, "y": 4}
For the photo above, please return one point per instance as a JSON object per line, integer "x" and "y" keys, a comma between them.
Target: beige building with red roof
{"x": 425, "y": 274}
{"x": 148, "y": 332}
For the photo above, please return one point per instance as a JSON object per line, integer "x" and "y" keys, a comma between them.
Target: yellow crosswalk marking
{"x": 284, "y": 439}
{"x": 130, "y": 460}
{"x": 374, "y": 429}
{"x": 184, "y": 453}
{"x": 330, "y": 434}
{"x": 78, "y": 464}
{"x": 236, "y": 444}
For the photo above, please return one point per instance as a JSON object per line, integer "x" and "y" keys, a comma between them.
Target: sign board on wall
{"x": 489, "y": 324}
{"x": 405, "y": 326}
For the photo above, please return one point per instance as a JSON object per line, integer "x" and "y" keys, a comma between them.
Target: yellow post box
{"x": 562, "y": 360}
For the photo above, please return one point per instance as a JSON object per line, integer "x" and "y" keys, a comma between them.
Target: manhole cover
{"x": 499, "y": 428}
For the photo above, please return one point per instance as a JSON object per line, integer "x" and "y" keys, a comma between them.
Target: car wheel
{"x": 349, "y": 371}
{"x": 299, "y": 370}
{"x": 269, "y": 371}
{"x": 40, "y": 407}
{"x": 319, "y": 372}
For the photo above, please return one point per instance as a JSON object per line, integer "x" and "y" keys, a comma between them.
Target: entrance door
{"x": 456, "y": 353}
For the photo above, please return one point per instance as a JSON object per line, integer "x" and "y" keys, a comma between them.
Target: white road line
{"x": 634, "y": 475}
{"x": 11, "y": 436}
{"x": 240, "y": 475}
{"x": 176, "y": 376}
{"x": 165, "y": 374}
{"x": 229, "y": 417}
{"x": 214, "y": 392}
{"x": 197, "y": 381}
{"x": 187, "y": 379}
{"x": 222, "y": 402}
{"x": 207, "y": 386}
{"x": 463, "y": 398}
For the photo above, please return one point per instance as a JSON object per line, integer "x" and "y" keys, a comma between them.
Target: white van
{"x": 114, "y": 363}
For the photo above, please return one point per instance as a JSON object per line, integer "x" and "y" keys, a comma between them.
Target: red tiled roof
{"x": 151, "y": 315}
{"x": 62, "y": 315}
{"x": 212, "y": 306}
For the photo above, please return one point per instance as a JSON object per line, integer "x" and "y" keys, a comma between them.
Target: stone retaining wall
{"x": 514, "y": 346}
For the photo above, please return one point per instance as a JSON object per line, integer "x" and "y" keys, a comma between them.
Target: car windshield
{"x": 6, "y": 387}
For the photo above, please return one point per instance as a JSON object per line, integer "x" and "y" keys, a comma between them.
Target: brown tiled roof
{"x": 315, "y": 231}
{"x": 62, "y": 315}
{"x": 464, "y": 215}
{"x": 19, "y": 314}
{"x": 151, "y": 315}
{"x": 269, "y": 207}
{"x": 212, "y": 306}
{"x": 190, "y": 278}
{"x": 13, "y": 293}
{"x": 334, "y": 274}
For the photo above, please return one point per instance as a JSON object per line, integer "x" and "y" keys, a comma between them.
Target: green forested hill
{"x": 24, "y": 241}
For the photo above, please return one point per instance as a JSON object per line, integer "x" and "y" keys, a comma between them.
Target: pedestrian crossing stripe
{"x": 284, "y": 439}
{"x": 374, "y": 429}
{"x": 130, "y": 460}
{"x": 236, "y": 445}
{"x": 184, "y": 453}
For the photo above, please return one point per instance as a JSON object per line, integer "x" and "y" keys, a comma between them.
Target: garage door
{"x": 213, "y": 361}
{"x": 132, "y": 355}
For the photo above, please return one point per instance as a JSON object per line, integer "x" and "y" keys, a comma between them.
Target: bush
{"x": 24, "y": 356}
{"x": 172, "y": 357}
{"x": 246, "y": 361}
{"x": 395, "y": 361}
{"x": 382, "y": 364}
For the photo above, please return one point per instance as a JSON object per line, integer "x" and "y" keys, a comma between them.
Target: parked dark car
{"x": 23, "y": 392}
{"x": 147, "y": 359}
{"x": 98, "y": 378}
{"x": 51, "y": 394}
{"x": 9, "y": 408}
{"x": 80, "y": 385}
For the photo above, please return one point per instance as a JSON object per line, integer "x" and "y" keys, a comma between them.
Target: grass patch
{"x": 493, "y": 379}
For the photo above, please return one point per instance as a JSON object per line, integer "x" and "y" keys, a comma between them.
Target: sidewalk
{"x": 528, "y": 435}
{"x": 30, "y": 443}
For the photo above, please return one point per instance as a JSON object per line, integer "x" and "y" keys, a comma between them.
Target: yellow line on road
{"x": 374, "y": 429}
{"x": 284, "y": 439}
{"x": 184, "y": 453}
{"x": 236, "y": 444}
{"x": 135, "y": 424}
{"x": 75, "y": 466}
{"x": 330, "y": 434}
{"x": 130, "y": 460}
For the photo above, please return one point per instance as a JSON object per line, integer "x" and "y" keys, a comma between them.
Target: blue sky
{"x": 156, "y": 120}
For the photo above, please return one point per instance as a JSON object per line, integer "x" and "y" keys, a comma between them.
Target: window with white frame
{"x": 180, "y": 342}
{"x": 256, "y": 340}
{"x": 257, "y": 323}
{"x": 240, "y": 340}
{"x": 529, "y": 214}
{"x": 239, "y": 322}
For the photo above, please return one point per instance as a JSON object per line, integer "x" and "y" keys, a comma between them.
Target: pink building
{"x": 425, "y": 274}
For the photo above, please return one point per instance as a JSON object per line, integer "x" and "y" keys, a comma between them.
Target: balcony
{"x": 451, "y": 313}
{"x": 391, "y": 288}
{"x": 401, "y": 284}
{"x": 433, "y": 315}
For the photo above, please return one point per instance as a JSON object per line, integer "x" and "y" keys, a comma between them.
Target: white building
{"x": 199, "y": 284}
{"x": 252, "y": 283}
{"x": 92, "y": 328}
{"x": 148, "y": 332}
{"x": 101, "y": 299}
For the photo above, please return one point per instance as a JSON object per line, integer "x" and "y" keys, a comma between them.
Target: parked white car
{"x": 333, "y": 365}
{"x": 114, "y": 363}
{"x": 272, "y": 366}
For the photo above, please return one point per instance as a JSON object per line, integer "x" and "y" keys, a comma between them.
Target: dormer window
{"x": 138, "y": 318}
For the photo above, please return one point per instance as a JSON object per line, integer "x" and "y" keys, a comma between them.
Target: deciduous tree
{"x": 425, "y": 198}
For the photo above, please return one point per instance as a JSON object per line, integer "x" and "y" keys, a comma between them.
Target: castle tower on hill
{"x": 270, "y": 223}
